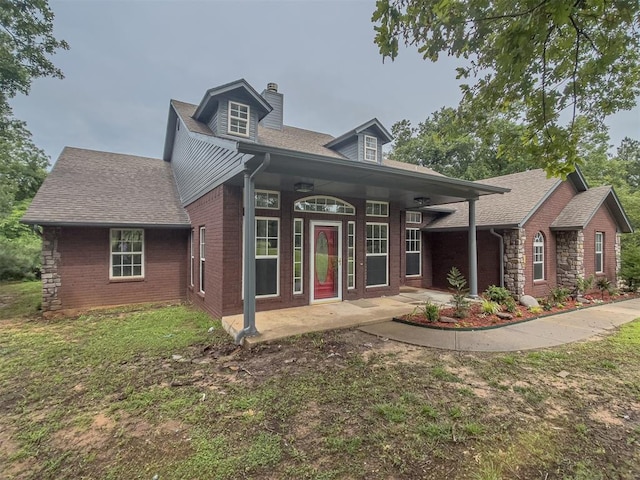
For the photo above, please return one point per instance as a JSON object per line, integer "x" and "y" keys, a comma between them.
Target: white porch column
{"x": 473, "y": 250}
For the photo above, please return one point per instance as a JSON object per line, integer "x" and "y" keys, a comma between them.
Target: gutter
{"x": 249, "y": 265}
{"x": 493, "y": 232}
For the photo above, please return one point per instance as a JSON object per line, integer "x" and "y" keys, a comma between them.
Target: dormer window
{"x": 238, "y": 119}
{"x": 370, "y": 148}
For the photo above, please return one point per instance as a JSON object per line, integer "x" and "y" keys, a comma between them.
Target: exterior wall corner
{"x": 514, "y": 260}
{"x": 51, "y": 279}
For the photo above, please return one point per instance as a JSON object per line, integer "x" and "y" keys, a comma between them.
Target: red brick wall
{"x": 601, "y": 222}
{"x": 451, "y": 249}
{"x": 539, "y": 222}
{"x": 84, "y": 268}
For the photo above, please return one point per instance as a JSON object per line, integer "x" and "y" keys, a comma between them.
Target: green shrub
{"x": 497, "y": 294}
{"x": 459, "y": 288}
{"x": 430, "y": 310}
{"x": 489, "y": 307}
{"x": 558, "y": 295}
{"x": 630, "y": 268}
{"x": 584, "y": 285}
{"x": 510, "y": 305}
{"x": 604, "y": 285}
{"x": 536, "y": 310}
{"x": 20, "y": 257}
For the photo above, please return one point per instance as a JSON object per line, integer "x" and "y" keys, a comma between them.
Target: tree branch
{"x": 544, "y": 80}
{"x": 513, "y": 15}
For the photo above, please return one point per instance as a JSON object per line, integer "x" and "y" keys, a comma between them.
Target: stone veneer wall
{"x": 51, "y": 280}
{"x": 618, "y": 248}
{"x": 569, "y": 257}
{"x": 514, "y": 260}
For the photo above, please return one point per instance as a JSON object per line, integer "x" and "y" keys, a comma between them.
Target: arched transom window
{"x": 321, "y": 204}
{"x": 538, "y": 256}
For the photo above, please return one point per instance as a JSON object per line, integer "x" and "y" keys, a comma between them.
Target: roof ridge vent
{"x": 272, "y": 87}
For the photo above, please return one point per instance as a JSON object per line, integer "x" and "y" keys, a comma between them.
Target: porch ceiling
{"x": 337, "y": 177}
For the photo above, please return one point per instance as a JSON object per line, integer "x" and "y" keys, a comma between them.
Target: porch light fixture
{"x": 422, "y": 201}
{"x": 303, "y": 187}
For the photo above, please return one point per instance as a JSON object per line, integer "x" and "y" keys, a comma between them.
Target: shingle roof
{"x": 186, "y": 111}
{"x": 581, "y": 209}
{"x": 528, "y": 190}
{"x": 87, "y": 187}
{"x": 411, "y": 167}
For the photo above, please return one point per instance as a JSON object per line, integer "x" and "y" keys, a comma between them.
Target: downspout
{"x": 249, "y": 266}
{"x": 493, "y": 232}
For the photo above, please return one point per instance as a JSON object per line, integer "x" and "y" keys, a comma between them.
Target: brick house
{"x": 244, "y": 212}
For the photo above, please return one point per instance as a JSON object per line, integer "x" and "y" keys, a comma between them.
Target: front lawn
{"x": 131, "y": 394}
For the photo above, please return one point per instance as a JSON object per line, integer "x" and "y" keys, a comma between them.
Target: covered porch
{"x": 288, "y": 322}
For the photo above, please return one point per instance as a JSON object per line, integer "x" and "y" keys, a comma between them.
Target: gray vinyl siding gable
{"x": 350, "y": 149}
{"x": 212, "y": 124}
{"x": 222, "y": 119}
{"x": 199, "y": 166}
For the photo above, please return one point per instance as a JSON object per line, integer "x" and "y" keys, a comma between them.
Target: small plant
{"x": 604, "y": 285}
{"x": 558, "y": 295}
{"x": 429, "y": 310}
{"x": 545, "y": 304}
{"x": 510, "y": 305}
{"x": 536, "y": 309}
{"x": 497, "y": 294}
{"x": 490, "y": 307}
{"x": 459, "y": 287}
{"x": 584, "y": 285}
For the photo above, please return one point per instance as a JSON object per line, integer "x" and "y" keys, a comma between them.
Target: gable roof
{"x": 92, "y": 188}
{"x": 239, "y": 87}
{"x": 528, "y": 191}
{"x": 374, "y": 123}
{"x": 580, "y": 210}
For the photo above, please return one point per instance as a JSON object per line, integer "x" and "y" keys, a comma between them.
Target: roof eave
{"x": 509, "y": 226}
{"x": 54, "y": 223}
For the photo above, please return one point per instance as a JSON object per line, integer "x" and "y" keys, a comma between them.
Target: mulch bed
{"x": 476, "y": 320}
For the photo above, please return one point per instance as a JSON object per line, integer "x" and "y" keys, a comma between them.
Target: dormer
{"x": 233, "y": 110}
{"x": 363, "y": 143}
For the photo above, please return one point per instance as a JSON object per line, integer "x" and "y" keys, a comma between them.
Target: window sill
{"x": 540, "y": 282}
{"x": 126, "y": 279}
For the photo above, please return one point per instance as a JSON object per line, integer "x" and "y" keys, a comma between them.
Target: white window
{"x": 267, "y": 257}
{"x": 298, "y": 238}
{"x": 191, "y": 256}
{"x": 377, "y": 254}
{"x": 322, "y": 204}
{"x": 267, "y": 199}
{"x": 414, "y": 217}
{"x": 538, "y": 257}
{"x": 238, "y": 119}
{"x": 370, "y": 148}
{"x": 413, "y": 255}
{"x": 351, "y": 255}
{"x": 202, "y": 257}
{"x": 599, "y": 252}
{"x": 127, "y": 253}
{"x": 377, "y": 209}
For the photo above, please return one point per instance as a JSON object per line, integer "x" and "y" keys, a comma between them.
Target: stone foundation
{"x": 514, "y": 259}
{"x": 569, "y": 258}
{"x": 618, "y": 248}
{"x": 51, "y": 280}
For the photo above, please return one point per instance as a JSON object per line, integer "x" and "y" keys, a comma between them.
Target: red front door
{"x": 325, "y": 262}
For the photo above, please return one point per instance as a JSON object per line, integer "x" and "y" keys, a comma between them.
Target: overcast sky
{"x": 128, "y": 59}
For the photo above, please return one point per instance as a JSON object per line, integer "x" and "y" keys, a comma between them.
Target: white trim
{"x": 239, "y": 119}
{"x": 202, "y": 250}
{"x": 371, "y": 149}
{"x": 419, "y": 251}
{"x": 333, "y": 201}
{"x": 599, "y": 252}
{"x": 367, "y": 254}
{"x": 192, "y": 257}
{"x": 538, "y": 243}
{"x": 312, "y": 249}
{"x": 112, "y": 253}
{"x": 413, "y": 217}
{"x": 376, "y": 203}
{"x": 277, "y": 256}
{"x": 301, "y": 249}
{"x": 351, "y": 258}
{"x": 268, "y": 192}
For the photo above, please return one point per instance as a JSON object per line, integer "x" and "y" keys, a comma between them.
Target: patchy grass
{"x": 130, "y": 394}
{"x": 20, "y": 299}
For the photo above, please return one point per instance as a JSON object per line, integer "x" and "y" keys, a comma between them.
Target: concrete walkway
{"x": 540, "y": 333}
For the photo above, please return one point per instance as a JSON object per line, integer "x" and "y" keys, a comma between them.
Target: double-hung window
{"x": 127, "y": 253}
{"x": 413, "y": 243}
{"x": 202, "y": 258}
{"x": 238, "y": 119}
{"x": 599, "y": 252}
{"x": 370, "y": 148}
{"x": 267, "y": 256}
{"x": 538, "y": 256}
{"x": 377, "y": 254}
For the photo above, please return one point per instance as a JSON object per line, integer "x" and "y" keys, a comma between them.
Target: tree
{"x": 543, "y": 61}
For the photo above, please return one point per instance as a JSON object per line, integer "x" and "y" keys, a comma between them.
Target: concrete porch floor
{"x": 287, "y": 322}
